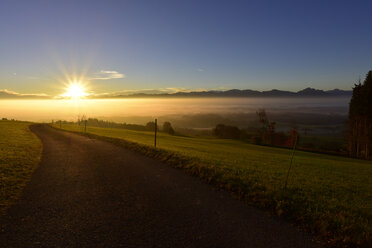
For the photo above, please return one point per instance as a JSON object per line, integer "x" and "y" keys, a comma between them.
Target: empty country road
{"x": 91, "y": 193}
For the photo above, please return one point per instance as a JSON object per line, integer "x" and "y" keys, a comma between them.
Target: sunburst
{"x": 75, "y": 90}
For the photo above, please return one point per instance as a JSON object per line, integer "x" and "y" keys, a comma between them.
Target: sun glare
{"x": 75, "y": 90}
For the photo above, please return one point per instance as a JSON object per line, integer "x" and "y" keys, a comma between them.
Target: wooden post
{"x": 290, "y": 165}
{"x": 85, "y": 126}
{"x": 156, "y": 129}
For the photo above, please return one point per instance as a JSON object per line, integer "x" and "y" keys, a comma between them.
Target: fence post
{"x": 156, "y": 129}
{"x": 290, "y": 165}
{"x": 85, "y": 126}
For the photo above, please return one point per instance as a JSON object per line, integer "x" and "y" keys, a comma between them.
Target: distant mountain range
{"x": 308, "y": 92}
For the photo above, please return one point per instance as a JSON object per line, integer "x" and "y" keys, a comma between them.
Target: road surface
{"x": 90, "y": 193}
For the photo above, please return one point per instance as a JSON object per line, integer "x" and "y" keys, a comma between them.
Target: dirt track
{"x": 90, "y": 193}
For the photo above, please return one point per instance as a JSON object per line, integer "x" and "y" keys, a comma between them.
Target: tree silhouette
{"x": 226, "y": 132}
{"x": 360, "y": 119}
{"x": 264, "y": 121}
{"x": 293, "y": 135}
{"x": 167, "y": 127}
{"x": 150, "y": 126}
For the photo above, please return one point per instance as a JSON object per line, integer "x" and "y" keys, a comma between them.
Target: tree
{"x": 360, "y": 119}
{"x": 272, "y": 133}
{"x": 293, "y": 135}
{"x": 226, "y": 132}
{"x": 263, "y": 132}
{"x": 167, "y": 127}
{"x": 150, "y": 126}
{"x": 81, "y": 119}
{"x": 262, "y": 117}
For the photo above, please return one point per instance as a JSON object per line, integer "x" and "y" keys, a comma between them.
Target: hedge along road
{"x": 90, "y": 193}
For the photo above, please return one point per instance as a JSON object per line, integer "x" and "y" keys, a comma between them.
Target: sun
{"x": 75, "y": 90}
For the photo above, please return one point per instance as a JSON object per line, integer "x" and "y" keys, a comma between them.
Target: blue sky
{"x": 135, "y": 45}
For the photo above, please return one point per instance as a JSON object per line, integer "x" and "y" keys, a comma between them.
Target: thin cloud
{"x": 176, "y": 90}
{"x": 9, "y": 93}
{"x": 105, "y": 75}
{"x": 200, "y": 69}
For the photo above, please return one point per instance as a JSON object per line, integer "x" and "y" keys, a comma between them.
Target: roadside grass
{"x": 329, "y": 196}
{"x": 20, "y": 152}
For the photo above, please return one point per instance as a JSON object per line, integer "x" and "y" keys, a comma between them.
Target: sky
{"x": 122, "y": 46}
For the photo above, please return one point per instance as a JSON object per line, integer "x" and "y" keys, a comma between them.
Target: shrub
{"x": 226, "y": 132}
{"x": 167, "y": 127}
{"x": 150, "y": 126}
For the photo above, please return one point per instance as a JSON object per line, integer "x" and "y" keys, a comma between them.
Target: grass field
{"x": 20, "y": 152}
{"x": 328, "y": 195}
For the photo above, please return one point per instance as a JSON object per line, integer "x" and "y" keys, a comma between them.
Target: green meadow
{"x": 330, "y": 196}
{"x": 20, "y": 152}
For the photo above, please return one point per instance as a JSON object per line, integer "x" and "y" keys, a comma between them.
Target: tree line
{"x": 150, "y": 126}
{"x": 266, "y": 134}
{"x": 360, "y": 119}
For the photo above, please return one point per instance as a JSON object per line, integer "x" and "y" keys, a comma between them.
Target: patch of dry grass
{"x": 20, "y": 152}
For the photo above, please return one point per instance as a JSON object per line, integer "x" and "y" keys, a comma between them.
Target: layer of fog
{"x": 189, "y": 112}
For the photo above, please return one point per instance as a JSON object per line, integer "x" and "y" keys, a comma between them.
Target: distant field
{"x": 20, "y": 152}
{"x": 328, "y": 195}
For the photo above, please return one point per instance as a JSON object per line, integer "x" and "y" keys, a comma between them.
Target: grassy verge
{"x": 20, "y": 152}
{"x": 328, "y": 195}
